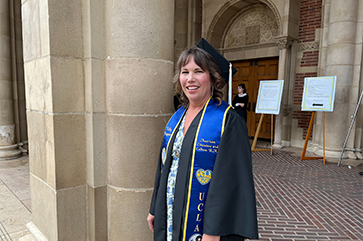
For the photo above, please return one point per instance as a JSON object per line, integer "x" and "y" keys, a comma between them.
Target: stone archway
{"x": 248, "y": 39}
{"x": 254, "y": 25}
{"x": 275, "y": 43}
{"x": 232, "y": 10}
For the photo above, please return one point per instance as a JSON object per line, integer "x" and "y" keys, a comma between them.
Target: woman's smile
{"x": 191, "y": 88}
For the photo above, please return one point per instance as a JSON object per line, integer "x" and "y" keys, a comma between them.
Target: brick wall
{"x": 310, "y": 20}
{"x": 310, "y": 58}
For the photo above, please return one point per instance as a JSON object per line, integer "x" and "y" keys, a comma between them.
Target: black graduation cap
{"x": 221, "y": 61}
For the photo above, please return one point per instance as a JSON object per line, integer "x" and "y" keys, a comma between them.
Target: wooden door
{"x": 251, "y": 73}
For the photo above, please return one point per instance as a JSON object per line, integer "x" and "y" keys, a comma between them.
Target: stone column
{"x": 283, "y": 43}
{"x": 187, "y": 24}
{"x": 54, "y": 80}
{"x": 8, "y": 146}
{"x": 355, "y": 141}
{"x": 323, "y": 45}
{"x": 95, "y": 99}
{"x": 181, "y": 27}
{"x": 289, "y": 94}
{"x": 139, "y": 39}
{"x": 340, "y": 41}
{"x": 18, "y": 76}
{"x": 358, "y": 82}
{"x": 99, "y": 93}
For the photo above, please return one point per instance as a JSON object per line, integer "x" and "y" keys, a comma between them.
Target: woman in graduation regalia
{"x": 204, "y": 186}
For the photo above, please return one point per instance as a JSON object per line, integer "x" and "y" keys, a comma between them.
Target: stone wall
{"x": 99, "y": 94}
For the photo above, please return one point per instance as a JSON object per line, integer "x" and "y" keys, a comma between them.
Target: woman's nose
{"x": 191, "y": 77}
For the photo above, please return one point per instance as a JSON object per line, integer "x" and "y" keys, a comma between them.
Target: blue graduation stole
{"x": 206, "y": 143}
{"x": 169, "y": 132}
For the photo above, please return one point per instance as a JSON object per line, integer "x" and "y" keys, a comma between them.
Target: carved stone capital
{"x": 309, "y": 46}
{"x": 287, "y": 110}
{"x": 283, "y": 42}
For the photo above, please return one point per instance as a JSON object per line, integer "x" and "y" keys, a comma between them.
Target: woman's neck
{"x": 195, "y": 108}
{"x": 192, "y": 112}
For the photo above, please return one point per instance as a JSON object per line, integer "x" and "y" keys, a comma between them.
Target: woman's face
{"x": 195, "y": 82}
{"x": 240, "y": 90}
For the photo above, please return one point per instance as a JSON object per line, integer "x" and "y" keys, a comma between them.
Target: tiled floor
{"x": 306, "y": 200}
{"x": 14, "y": 198}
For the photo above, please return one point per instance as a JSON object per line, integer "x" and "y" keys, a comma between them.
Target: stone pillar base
{"x": 318, "y": 150}
{"x": 285, "y": 143}
{"x": 277, "y": 145}
{"x": 39, "y": 236}
{"x": 9, "y": 152}
{"x": 23, "y": 147}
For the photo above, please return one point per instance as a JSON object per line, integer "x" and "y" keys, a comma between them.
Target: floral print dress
{"x": 172, "y": 178}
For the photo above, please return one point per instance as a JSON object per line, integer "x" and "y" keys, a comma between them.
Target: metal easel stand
{"x": 350, "y": 128}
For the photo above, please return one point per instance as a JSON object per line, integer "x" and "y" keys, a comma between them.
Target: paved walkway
{"x": 15, "y": 203}
{"x": 297, "y": 200}
{"x": 306, "y": 200}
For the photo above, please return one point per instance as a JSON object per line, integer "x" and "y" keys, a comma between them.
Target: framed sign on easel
{"x": 268, "y": 102}
{"x": 318, "y": 95}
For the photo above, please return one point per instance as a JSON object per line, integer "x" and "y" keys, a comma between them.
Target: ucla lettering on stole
{"x": 200, "y": 209}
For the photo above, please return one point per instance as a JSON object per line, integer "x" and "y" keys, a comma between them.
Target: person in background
{"x": 204, "y": 188}
{"x": 240, "y": 101}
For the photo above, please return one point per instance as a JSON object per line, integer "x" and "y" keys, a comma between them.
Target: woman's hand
{"x": 240, "y": 104}
{"x": 150, "y": 220}
{"x": 207, "y": 237}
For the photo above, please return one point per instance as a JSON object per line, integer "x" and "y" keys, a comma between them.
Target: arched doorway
{"x": 248, "y": 41}
{"x": 250, "y": 73}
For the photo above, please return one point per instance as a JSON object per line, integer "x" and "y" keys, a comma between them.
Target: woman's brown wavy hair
{"x": 207, "y": 63}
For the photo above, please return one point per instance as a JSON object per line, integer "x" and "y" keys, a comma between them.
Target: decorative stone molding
{"x": 309, "y": 46}
{"x": 251, "y": 28}
{"x": 273, "y": 8}
{"x": 283, "y": 42}
{"x": 248, "y": 47}
{"x": 253, "y": 34}
{"x": 287, "y": 110}
{"x": 230, "y": 3}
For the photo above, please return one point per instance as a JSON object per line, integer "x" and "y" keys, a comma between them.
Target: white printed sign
{"x": 319, "y": 93}
{"x": 269, "y": 97}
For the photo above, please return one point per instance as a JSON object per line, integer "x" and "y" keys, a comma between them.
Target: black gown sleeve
{"x": 156, "y": 186}
{"x": 230, "y": 208}
{"x": 234, "y": 101}
{"x": 245, "y": 101}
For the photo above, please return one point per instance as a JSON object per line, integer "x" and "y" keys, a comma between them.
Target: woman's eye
{"x": 184, "y": 72}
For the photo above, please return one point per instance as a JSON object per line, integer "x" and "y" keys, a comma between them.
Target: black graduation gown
{"x": 242, "y": 111}
{"x": 230, "y": 207}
